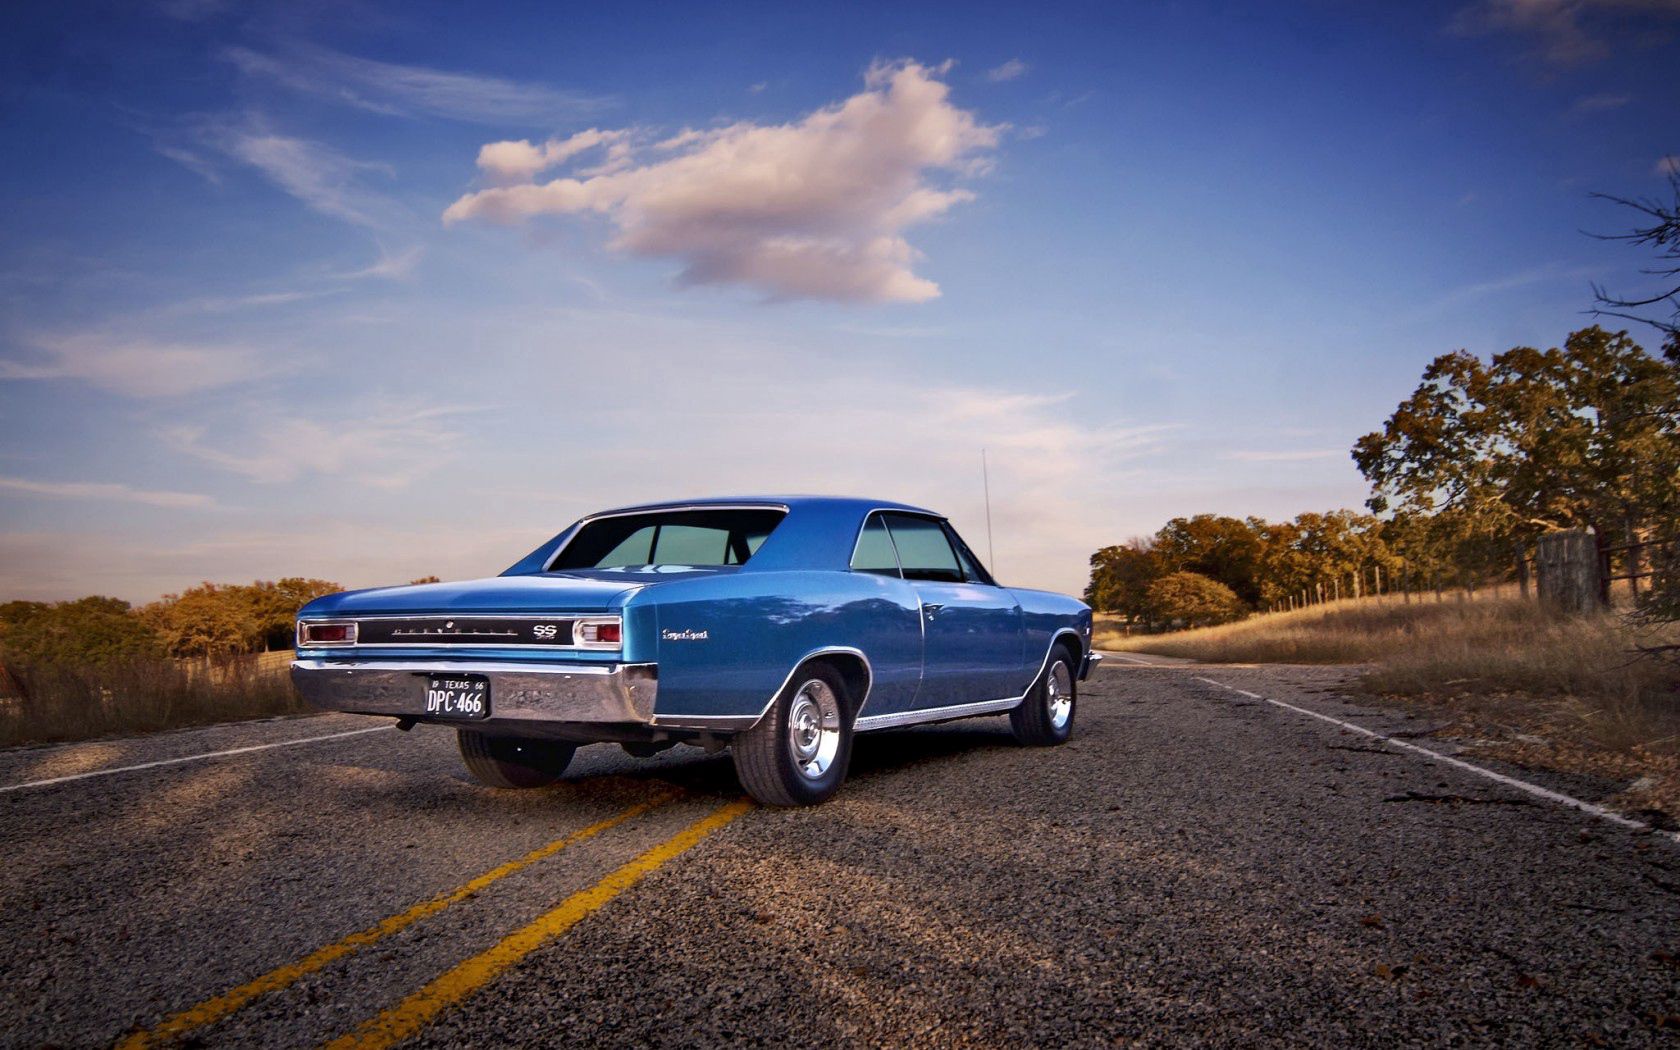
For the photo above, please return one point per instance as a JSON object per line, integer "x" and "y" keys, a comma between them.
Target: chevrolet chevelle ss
{"x": 776, "y": 627}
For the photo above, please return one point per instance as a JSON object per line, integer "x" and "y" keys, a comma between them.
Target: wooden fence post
{"x": 1570, "y": 579}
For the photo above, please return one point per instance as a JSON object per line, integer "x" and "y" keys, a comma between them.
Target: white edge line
{"x": 1521, "y": 785}
{"x": 1129, "y": 658}
{"x": 188, "y": 758}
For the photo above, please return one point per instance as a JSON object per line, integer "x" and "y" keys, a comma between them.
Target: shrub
{"x": 1193, "y": 600}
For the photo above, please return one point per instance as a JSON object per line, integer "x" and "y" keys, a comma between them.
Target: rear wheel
{"x": 1045, "y": 717}
{"x": 798, "y": 752}
{"x": 511, "y": 761}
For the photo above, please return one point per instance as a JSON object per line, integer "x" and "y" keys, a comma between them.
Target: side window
{"x": 874, "y": 552}
{"x": 971, "y": 566}
{"x": 923, "y": 550}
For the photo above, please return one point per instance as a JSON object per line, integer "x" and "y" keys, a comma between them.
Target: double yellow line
{"x": 409, "y": 1016}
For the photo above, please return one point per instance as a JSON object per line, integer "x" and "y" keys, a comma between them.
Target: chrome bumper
{"x": 1089, "y": 664}
{"x": 616, "y": 693}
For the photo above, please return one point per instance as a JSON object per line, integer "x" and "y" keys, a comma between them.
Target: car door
{"x": 972, "y": 629}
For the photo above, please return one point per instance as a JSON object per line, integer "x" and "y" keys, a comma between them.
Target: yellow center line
{"x": 406, "y": 1018}
{"x": 212, "y": 1010}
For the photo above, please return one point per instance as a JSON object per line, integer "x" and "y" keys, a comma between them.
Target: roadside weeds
{"x": 1517, "y": 683}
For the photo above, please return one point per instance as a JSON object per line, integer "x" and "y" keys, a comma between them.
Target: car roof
{"x": 798, "y": 502}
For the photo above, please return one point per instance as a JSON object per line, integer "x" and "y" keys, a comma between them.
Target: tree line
{"x": 1468, "y": 472}
{"x": 206, "y": 621}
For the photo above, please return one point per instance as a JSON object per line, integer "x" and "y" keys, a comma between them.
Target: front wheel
{"x": 1045, "y": 717}
{"x": 511, "y": 761}
{"x": 798, "y": 752}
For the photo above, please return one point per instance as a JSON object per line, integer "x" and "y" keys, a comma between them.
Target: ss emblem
{"x": 545, "y": 630}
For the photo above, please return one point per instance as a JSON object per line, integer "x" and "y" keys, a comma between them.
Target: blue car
{"x": 776, "y": 627}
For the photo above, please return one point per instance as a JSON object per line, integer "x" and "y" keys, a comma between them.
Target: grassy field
{"x": 1568, "y": 693}
{"x": 142, "y": 696}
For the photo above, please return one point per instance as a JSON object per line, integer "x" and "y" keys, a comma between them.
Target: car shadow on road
{"x": 892, "y": 749}
{"x": 882, "y": 751}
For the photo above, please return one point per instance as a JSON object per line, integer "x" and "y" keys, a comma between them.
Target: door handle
{"x": 932, "y": 607}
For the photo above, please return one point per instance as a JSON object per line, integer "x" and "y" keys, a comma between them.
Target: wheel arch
{"x": 853, "y": 668}
{"x": 849, "y": 662}
{"x": 1068, "y": 638}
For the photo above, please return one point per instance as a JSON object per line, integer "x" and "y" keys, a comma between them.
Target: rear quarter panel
{"x": 1046, "y": 615}
{"x": 725, "y": 645}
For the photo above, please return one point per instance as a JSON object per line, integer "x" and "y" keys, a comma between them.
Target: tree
{"x": 1220, "y": 548}
{"x": 1660, "y": 230}
{"x": 1335, "y": 551}
{"x": 94, "y": 630}
{"x": 206, "y": 621}
{"x": 1120, "y": 579}
{"x": 1583, "y": 436}
{"x": 1193, "y": 600}
{"x": 274, "y": 606}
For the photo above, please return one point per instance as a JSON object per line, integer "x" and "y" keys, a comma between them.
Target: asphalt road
{"x": 1196, "y": 866}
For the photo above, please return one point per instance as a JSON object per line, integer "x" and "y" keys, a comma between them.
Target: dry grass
{"x": 140, "y": 696}
{"x": 1533, "y": 688}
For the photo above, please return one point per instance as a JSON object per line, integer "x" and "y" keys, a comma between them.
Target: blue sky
{"x": 267, "y": 309}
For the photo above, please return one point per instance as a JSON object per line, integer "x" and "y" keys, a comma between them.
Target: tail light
{"x": 599, "y": 632}
{"x": 317, "y": 632}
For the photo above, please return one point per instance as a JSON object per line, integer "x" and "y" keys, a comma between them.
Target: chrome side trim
{"x": 982, "y": 707}
{"x": 936, "y": 714}
{"x": 739, "y": 722}
{"x": 663, "y": 508}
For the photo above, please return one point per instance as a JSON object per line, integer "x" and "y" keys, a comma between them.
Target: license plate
{"x": 458, "y": 696}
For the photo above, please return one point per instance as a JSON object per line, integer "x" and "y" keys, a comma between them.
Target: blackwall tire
{"x": 1045, "y": 717}
{"x": 798, "y": 752}
{"x": 513, "y": 762}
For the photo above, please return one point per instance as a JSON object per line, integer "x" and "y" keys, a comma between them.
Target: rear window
{"x": 671, "y": 537}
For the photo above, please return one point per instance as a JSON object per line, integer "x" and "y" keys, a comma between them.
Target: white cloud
{"x": 137, "y": 367}
{"x": 1007, "y": 71}
{"x": 521, "y": 161}
{"x": 109, "y": 491}
{"x": 381, "y": 444}
{"x": 401, "y": 90}
{"x": 812, "y": 209}
{"x": 1564, "y": 32}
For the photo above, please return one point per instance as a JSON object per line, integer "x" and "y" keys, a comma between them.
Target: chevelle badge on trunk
{"x": 778, "y": 627}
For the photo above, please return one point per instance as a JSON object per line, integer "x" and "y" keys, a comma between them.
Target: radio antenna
{"x": 986, "y": 484}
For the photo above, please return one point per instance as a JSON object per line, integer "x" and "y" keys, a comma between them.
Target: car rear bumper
{"x": 519, "y": 692}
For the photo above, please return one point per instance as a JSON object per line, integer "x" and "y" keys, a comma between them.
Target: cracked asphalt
{"x": 1195, "y": 867}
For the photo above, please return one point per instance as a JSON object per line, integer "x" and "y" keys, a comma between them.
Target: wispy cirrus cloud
{"x": 381, "y": 444}
{"x": 320, "y": 176}
{"x": 395, "y": 89}
{"x": 1009, "y": 70}
{"x": 106, "y": 491}
{"x": 141, "y": 368}
{"x": 1561, "y": 32}
{"x": 1306, "y": 455}
{"x": 812, "y": 209}
{"x": 1602, "y": 103}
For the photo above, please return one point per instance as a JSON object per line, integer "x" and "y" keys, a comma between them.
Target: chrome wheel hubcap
{"x": 813, "y": 727}
{"x": 1058, "y": 694}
